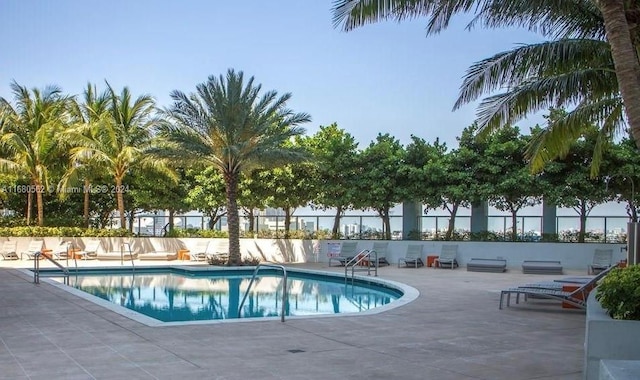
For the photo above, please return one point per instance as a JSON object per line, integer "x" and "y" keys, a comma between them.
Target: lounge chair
{"x": 447, "y": 258}
{"x": 199, "y": 253}
{"x": 90, "y": 250}
{"x": 487, "y": 265}
{"x": 380, "y": 256}
{"x": 541, "y": 267}
{"x": 576, "y": 298}
{"x": 348, "y": 251}
{"x": 35, "y": 246}
{"x": 221, "y": 252}
{"x": 413, "y": 257}
{"x": 602, "y": 259}
{"x": 123, "y": 252}
{"x": 62, "y": 251}
{"x": 8, "y": 251}
{"x": 158, "y": 254}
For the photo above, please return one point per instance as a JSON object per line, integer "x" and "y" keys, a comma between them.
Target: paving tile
{"x": 453, "y": 331}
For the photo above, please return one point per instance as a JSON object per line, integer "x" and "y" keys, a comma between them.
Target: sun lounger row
{"x": 94, "y": 250}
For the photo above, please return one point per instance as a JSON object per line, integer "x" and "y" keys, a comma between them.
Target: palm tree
{"x": 91, "y": 113}
{"x": 29, "y": 133}
{"x": 116, "y": 144}
{"x": 614, "y": 20}
{"x": 228, "y": 125}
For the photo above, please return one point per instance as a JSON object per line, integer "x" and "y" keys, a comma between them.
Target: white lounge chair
{"x": 413, "y": 257}
{"x": 62, "y": 251}
{"x": 221, "y": 252}
{"x": 448, "y": 256}
{"x": 90, "y": 250}
{"x": 34, "y": 247}
{"x": 8, "y": 251}
{"x": 602, "y": 259}
{"x": 348, "y": 251}
{"x": 380, "y": 256}
{"x": 199, "y": 253}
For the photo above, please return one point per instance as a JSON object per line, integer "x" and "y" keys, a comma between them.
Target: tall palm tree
{"x": 117, "y": 143}
{"x": 90, "y": 113}
{"x": 615, "y": 20}
{"x": 228, "y": 125}
{"x": 29, "y": 133}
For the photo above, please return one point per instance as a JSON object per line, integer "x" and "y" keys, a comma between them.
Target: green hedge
{"x": 62, "y": 231}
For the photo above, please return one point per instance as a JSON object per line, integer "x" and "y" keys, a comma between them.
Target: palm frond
{"x": 524, "y": 63}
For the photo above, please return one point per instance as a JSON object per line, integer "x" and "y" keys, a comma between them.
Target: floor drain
{"x": 295, "y": 351}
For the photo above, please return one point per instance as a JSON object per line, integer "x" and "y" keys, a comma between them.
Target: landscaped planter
{"x": 607, "y": 338}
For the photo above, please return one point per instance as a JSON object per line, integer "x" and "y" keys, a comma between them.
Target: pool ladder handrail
{"x": 36, "y": 267}
{"x": 356, "y": 264}
{"x": 133, "y": 266}
{"x": 284, "y": 286}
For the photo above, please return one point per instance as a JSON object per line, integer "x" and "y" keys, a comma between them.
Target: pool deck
{"x": 452, "y": 331}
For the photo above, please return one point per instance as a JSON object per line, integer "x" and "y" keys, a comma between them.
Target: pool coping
{"x": 409, "y": 294}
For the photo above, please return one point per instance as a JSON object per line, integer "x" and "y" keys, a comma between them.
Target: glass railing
{"x": 605, "y": 229}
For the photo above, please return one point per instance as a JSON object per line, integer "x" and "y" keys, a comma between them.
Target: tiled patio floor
{"x": 454, "y": 330}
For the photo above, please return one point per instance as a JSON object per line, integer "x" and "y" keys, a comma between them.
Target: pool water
{"x": 177, "y": 297}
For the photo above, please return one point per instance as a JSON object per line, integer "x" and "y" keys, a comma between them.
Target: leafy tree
{"x": 228, "y": 125}
{"x": 207, "y": 194}
{"x": 380, "y": 182}
{"x": 334, "y": 153}
{"x": 578, "y": 73}
{"x": 443, "y": 179}
{"x": 623, "y": 174}
{"x": 253, "y": 196}
{"x": 570, "y": 183}
{"x": 29, "y": 135}
{"x": 510, "y": 184}
{"x": 289, "y": 187}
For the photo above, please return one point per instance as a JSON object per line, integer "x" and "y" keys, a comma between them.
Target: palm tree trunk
{"x": 625, "y": 60}
{"x": 233, "y": 220}
{"x": 85, "y": 214}
{"x": 120, "y": 200}
{"x": 29, "y": 202}
{"x": 39, "y": 205}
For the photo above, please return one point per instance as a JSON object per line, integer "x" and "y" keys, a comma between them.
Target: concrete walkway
{"x": 453, "y": 331}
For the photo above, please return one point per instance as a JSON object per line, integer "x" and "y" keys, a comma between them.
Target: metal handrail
{"x": 364, "y": 257}
{"x": 284, "y": 286}
{"x": 75, "y": 258}
{"x": 36, "y": 268}
{"x": 130, "y": 255}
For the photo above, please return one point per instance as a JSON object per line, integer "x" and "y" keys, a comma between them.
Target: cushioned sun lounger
{"x": 487, "y": 265}
{"x": 576, "y": 298}
{"x": 541, "y": 267}
{"x": 124, "y": 253}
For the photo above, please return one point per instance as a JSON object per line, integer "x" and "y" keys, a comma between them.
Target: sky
{"x": 382, "y": 78}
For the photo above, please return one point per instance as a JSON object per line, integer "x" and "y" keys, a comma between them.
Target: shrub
{"x": 619, "y": 293}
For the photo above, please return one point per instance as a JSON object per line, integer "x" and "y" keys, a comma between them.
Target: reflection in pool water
{"x": 171, "y": 297}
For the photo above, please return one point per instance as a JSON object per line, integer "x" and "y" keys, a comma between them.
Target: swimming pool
{"x": 171, "y": 295}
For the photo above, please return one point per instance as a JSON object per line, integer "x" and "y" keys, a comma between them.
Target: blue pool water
{"x": 179, "y": 295}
